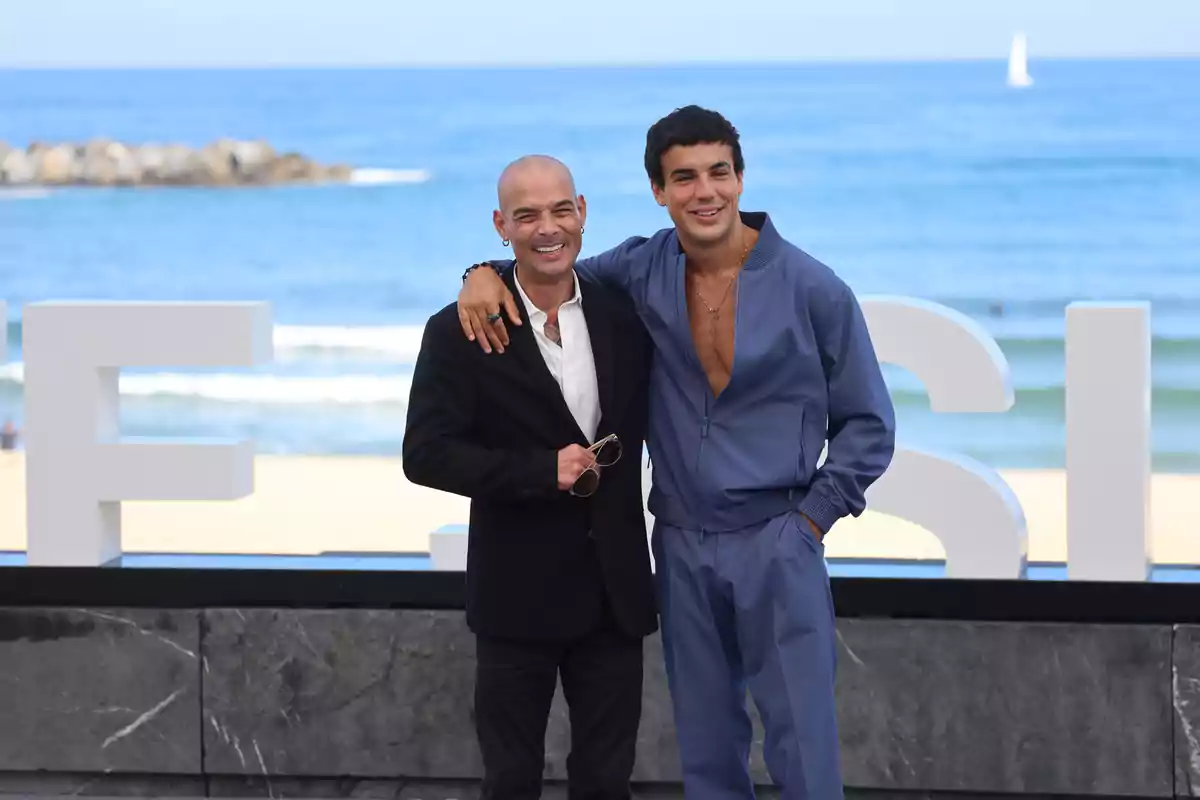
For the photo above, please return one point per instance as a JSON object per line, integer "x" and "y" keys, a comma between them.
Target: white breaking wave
{"x": 269, "y": 389}
{"x": 23, "y": 194}
{"x": 398, "y": 345}
{"x": 375, "y": 177}
{"x": 400, "y": 342}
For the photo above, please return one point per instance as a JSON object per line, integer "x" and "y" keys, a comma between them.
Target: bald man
{"x": 546, "y": 440}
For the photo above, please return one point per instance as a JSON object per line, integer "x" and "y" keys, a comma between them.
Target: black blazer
{"x": 489, "y": 426}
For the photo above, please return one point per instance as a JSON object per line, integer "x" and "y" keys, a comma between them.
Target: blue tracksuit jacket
{"x": 804, "y": 370}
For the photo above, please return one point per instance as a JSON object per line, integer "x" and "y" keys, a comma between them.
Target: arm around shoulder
{"x": 862, "y": 423}
{"x": 441, "y": 449}
{"x": 482, "y": 298}
{"x": 616, "y": 266}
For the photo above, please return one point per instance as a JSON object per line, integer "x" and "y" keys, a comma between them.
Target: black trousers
{"x": 514, "y": 688}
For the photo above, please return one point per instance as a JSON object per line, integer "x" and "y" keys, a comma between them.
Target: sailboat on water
{"x": 1018, "y": 62}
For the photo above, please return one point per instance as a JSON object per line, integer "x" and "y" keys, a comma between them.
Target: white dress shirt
{"x": 572, "y": 365}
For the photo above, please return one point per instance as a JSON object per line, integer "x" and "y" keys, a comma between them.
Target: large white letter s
{"x": 963, "y": 502}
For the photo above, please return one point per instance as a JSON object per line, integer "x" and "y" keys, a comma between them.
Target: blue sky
{"x": 110, "y": 33}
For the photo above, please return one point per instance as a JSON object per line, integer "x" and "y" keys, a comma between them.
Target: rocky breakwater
{"x": 103, "y": 162}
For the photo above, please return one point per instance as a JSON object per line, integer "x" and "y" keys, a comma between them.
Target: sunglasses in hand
{"x": 607, "y": 452}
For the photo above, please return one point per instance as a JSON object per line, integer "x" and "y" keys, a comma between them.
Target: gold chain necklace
{"x": 715, "y": 312}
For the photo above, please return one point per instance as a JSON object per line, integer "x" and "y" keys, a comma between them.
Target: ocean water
{"x": 928, "y": 180}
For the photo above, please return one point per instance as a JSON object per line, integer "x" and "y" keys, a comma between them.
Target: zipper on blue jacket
{"x": 704, "y": 426}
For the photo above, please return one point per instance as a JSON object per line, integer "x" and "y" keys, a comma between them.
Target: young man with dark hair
{"x": 762, "y": 358}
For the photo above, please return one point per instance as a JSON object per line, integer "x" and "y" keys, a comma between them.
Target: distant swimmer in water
{"x": 8, "y": 436}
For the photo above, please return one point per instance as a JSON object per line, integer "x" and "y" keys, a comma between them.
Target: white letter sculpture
{"x": 1108, "y": 441}
{"x": 448, "y": 548}
{"x": 77, "y": 468}
{"x": 963, "y": 502}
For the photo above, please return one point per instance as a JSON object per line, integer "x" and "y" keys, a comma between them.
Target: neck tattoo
{"x": 551, "y": 329}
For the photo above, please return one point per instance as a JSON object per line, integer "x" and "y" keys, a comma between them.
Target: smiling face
{"x": 700, "y": 191}
{"x": 541, "y": 216}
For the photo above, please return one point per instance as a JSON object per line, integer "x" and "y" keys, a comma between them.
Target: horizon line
{"x": 566, "y": 65}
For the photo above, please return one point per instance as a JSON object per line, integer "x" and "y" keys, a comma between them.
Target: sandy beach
{"x": 294, "y": 511}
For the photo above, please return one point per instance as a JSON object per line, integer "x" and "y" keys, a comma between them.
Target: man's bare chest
{"x": 712, "y": 312}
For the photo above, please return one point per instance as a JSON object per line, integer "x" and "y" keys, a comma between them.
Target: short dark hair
{"x": 685, "y": 127}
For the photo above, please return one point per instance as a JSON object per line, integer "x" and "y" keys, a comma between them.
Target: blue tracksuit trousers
{"x": 750, "y": 608}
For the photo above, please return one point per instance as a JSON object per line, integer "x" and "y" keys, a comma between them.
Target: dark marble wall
{"x": 1185, "y": 698}
{"x": 368, "y": 693}
{"x": 99, "y": 785}
{"x": 1045, "y": 709}
{"x": 261, "y": 702}
{"x": 90, "y": 690}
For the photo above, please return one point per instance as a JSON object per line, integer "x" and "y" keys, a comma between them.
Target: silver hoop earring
{"x": 580, "y": 229}
{"x": 504, "y": 242}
